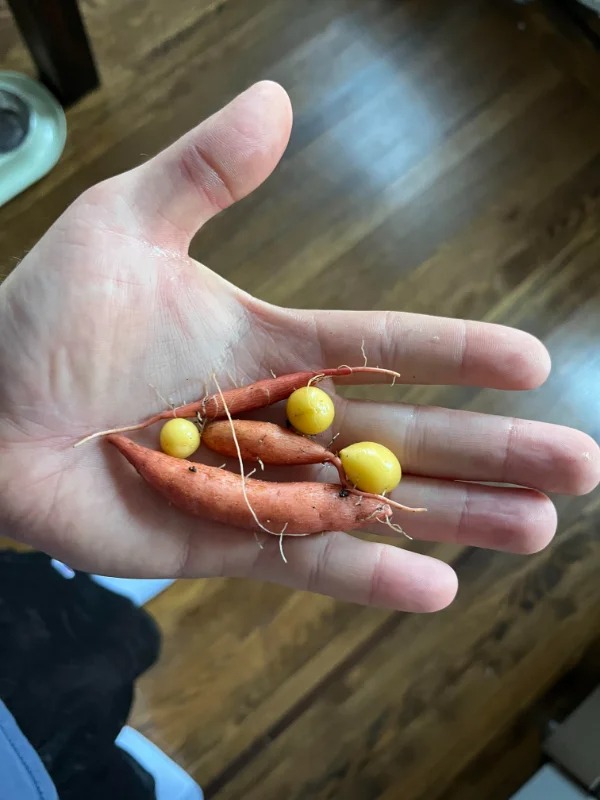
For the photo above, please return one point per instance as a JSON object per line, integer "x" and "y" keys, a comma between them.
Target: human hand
{"x": 109, "y": 303}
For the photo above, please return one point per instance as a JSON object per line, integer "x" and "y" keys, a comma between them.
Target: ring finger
{"x": 509, "y": 519}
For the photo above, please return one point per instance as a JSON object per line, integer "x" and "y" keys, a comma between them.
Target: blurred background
{"x": 445, "y": 159}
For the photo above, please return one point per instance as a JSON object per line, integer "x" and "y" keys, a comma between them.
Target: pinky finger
{"x": 358, "y": 571}
{"x": 509, "y": 519}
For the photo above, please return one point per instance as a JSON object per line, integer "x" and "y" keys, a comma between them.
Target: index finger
{"x": 431, "y": 350}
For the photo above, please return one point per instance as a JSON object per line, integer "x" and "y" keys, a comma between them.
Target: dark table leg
{"x": 55, "y": 34}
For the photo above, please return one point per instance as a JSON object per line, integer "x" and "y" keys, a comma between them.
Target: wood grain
{"x": 445, "y": 159}
{"x": 515, "y": 752}
{"x": 406, "y": 718}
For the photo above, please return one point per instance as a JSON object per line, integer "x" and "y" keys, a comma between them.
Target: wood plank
{"x": 555, "y": 27}
{"x": 516, "y": 752}
{"x": 406, "y": 719}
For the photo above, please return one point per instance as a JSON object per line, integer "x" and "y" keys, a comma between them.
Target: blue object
{"x": 24, "y": 777}
{"x": 172, "y": 782}
{"x": 549, "y": 784}
{"x": 138, "y": 590}
{"x": 22, "y": 774}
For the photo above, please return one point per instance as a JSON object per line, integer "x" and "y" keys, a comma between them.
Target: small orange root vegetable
{"x": 267, "y": 443}
{"x": 246, "y": 398}
{"x": 298, "y": 509}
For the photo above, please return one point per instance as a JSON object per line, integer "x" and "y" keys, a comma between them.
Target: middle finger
{"x": 463, "y": 445}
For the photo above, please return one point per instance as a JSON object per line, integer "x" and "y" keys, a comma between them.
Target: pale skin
{"x": 109, "y": 303}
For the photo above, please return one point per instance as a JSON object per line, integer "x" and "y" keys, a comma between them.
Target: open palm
{"x": 109, "y": 309}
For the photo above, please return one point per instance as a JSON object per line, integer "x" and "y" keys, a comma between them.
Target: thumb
{"x": 217, "y": 163}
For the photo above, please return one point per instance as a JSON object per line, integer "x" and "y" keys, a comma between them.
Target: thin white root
{"x": 395, "y": 527}
{"x": 164, "y": 399}
{"x": 281, "y": 535}
{"x": 315, "y": 379}
{"x": 241, "y": 460}
{"x": 401, "y": 507}
{"x": 98, "y": 434}
{"x": 261, "y": 464}
{"x": 375, "y": 514}
{"x": 222, "y": 466}
{"x": 273, "y": 374}
{"x": 384, "y": 499}
{"x": 362, "y": 350}
{"x": 258, "y": 541}
{"x": 231, "y": 378}
{"x": 251, "y": 473}
{"x": 332, "y": 441}
{"x": 200, "y": 423}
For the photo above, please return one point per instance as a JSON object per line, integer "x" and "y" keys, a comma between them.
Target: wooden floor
{"x": 445, "y": 159}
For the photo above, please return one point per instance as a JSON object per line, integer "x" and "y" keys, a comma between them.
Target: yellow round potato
{"x": 371, "y": 467}
{"x": 310, "y": 410}
{"x": 179, "y": 438}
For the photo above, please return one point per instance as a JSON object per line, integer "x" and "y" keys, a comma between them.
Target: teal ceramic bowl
{"x": 34, "y": 132}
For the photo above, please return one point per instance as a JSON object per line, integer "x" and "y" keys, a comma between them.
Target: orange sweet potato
{"x": 245, "y": 398}
{"x": 264, "y": 441}
{"x": 290, "y": 508}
